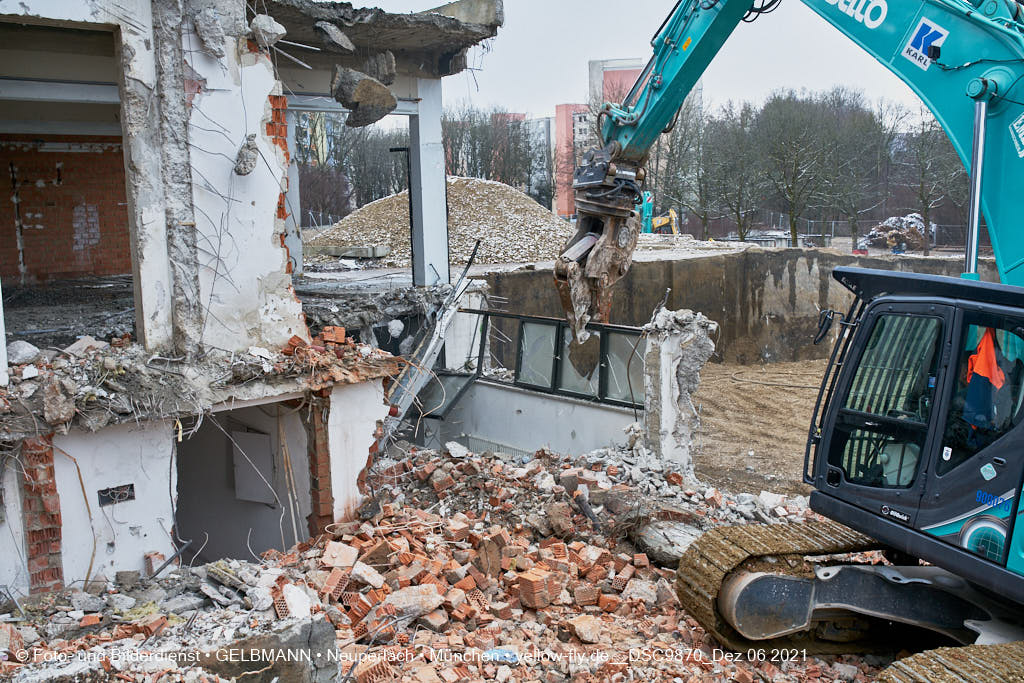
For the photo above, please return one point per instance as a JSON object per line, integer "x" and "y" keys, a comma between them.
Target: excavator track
{"x": 716, "y": 554}
{"x": 1003, "y": 662}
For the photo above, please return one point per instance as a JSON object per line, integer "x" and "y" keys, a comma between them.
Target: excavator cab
{"x": 917, "y": 437}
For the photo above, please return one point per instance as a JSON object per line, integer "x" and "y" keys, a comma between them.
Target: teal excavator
{"x": 916, "y": 446}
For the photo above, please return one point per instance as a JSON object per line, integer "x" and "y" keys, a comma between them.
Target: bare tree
{"x": 793, "y": 150}
{"x": 736, "y": 177}
{"x": 856, "y": 141}
{"x": 930, "y": 167}
{"x": 687, "y": 178}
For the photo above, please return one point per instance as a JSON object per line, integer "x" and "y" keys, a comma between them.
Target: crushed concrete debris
{"x": 92, "y": 384}
{"x": 457, "y": 577}
{"x": 21, "y": 352}
{"x": 897, "y": 231}
{"x": 511, "y": 227}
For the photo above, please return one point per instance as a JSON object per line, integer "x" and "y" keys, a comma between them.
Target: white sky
{"x": 539, "y": 58}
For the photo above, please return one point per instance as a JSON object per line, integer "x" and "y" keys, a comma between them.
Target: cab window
{"x": 882, "y": 426}
{"x": 986, "y": 400}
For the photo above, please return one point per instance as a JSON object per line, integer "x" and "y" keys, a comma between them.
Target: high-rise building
{"x": 609, "y": 80}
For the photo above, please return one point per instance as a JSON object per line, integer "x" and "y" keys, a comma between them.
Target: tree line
{"x": 825, "y": 156}
{"x": 829, "y": 156}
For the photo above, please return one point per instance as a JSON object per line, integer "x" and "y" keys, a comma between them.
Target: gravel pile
{"x": 512, "y": 227}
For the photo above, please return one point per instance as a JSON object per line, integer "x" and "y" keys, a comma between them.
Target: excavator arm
{"x": 964, "y": 59}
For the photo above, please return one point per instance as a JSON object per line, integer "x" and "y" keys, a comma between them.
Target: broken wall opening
{"x": 66, "y": 247}
{"x": 244, "y": 482}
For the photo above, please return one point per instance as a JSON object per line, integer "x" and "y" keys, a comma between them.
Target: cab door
{"x": 880, "y": 427}
{"x": 973, "y": 484}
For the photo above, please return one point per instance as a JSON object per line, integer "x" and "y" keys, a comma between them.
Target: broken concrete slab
{"x": 20, "y": 352}
{"x": 382, "y": 66}
{"x": 210, "y": 30}
{"x": 664, "y": 541}
{"x": 367, "y": 99}
{"x": 248, "y": 154}
{"x": 333, "y": 38}
{"x": 265, "y": 30}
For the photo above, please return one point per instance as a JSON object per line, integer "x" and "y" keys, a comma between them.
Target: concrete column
{"x": 293, "y": 203}
{"x": 429, "y": 188}
{"x": 3, "y": 344}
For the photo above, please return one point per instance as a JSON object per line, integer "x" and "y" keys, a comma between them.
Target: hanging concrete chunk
{"x": 365, "y": 97}
{"x": 333, "y": 39}
{"x": 210, "y": 31}
{"x": 382, "y": 67}
{"x": 245, "y": 162}
{"x": 265, "y": 30}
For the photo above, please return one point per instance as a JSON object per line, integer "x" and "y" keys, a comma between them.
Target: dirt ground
{"x": 754, "y": 422}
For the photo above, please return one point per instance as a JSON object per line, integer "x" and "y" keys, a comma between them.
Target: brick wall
{"x": 41, "y": 505}
{"x": 321, "y": 494}
{"x": 76, "y": 198}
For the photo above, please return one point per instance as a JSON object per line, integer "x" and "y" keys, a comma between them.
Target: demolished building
{"x": 154, "y": 138}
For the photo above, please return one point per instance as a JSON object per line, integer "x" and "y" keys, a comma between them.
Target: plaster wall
{"x": 531, "y": 420}
{"x": 207, "y": 503}
{"x": 355, "y": 410}
{"x": 14, "y": 566}
{"x": 245, "y": 292}
{"x": 124, "y": 532}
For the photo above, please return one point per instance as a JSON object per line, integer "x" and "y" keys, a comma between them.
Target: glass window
{"x": 881, "y": 429}
{"x": 987, "y": 394}
{"x": 896, "y": 375}
{"x": 537, "y": 351}
{"x": 580, "y": 370}
{"x": 625, "y": 367}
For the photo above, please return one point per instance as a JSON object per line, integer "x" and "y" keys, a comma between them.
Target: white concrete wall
{"x": 355, "y": 409}
{"x": 206, "y": 487}
{"x": 245, "y": 290}
{"x": 531, "y": 420}
{"x": 124, "y": 532}
{"x": 13, "y": 553}
{"x": 462, "y": 341}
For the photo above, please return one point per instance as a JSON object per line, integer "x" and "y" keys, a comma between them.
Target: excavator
{"x": 657, "y": 225}
{"x": 915, "y": 451}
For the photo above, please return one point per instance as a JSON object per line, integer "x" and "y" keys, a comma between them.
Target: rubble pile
{"x": 461, "y": 567}
{"x": 511, "y": 227}
{"x": 896, "y": 231}
{"x": 94, "y": 383}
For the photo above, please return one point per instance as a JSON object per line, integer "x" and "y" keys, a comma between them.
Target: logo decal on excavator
{"x": 928, "y": 34}
{"x": 1017, "y": 133}
{"x": 895, "y": 514}
{"x": 871, "y": 13}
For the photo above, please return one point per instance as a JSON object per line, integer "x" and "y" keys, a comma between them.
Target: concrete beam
{"x": 486, "y": 12}
{"x": 326, "y": 103}
{"x": 429, "y": 188}
{"x": 20, "y": 90}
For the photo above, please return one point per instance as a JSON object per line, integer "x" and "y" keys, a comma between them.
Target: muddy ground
{"x": 754, "y": 422}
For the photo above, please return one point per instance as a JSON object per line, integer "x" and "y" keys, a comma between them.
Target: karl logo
{"x": 1017, "y": 134}
{"x": 895, "y": 514}
{"x": 871, "y": 13}
{"x": 927, "y": 34}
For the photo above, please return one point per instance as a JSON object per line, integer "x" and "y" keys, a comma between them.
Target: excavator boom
{"x": 965, "y": 60}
